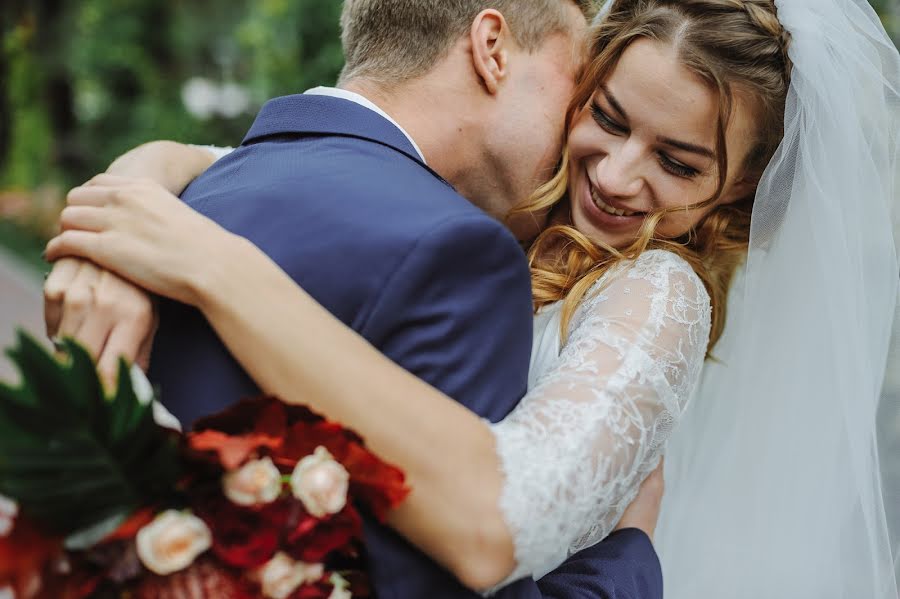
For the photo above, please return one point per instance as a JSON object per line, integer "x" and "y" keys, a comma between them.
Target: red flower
{"x": 241, "y": 432}
{"x": 320, "y": 590}
{"x": 376, "y": 485}
{"x": 245, "y": 537}
{"x": 313, "y": 540}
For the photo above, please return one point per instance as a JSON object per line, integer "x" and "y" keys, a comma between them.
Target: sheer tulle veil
{"x": 773, "y": 482}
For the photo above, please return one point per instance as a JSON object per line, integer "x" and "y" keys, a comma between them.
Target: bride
{"x": 710, "y": 140}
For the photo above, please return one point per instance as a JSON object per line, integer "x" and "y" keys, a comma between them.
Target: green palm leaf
{"x": 69, "y": 454}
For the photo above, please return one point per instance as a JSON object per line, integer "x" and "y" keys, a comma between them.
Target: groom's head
{"x": 496, "y": 74}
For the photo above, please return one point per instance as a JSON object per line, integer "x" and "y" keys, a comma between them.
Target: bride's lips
{"x": 593, "y": 204}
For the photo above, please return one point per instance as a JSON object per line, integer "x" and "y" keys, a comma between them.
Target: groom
{"x": 358, "y": 193}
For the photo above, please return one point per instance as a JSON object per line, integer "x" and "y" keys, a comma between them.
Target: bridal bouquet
{"x": 99, "y": 500}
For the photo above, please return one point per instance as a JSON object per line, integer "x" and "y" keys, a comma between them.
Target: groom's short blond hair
{"x": 397, "y": 40}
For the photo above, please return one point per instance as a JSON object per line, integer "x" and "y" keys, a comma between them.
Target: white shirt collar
{"x": 335, "y": 92}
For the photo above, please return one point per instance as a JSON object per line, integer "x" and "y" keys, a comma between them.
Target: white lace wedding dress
{"x": 600, "y": 409}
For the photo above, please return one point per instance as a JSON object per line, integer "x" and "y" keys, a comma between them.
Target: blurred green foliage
{"x": 81, "y": 82}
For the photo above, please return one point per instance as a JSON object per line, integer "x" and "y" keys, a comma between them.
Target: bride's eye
{"x": 605, "y": 121}
{"x": 677, "y": 168}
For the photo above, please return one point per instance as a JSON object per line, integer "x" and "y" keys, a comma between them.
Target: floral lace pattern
{"x": 576, "y": 449}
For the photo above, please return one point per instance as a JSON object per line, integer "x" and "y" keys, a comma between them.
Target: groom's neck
{"x": 432, "y": 112}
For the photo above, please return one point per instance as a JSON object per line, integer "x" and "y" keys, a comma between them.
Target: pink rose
{"x": 255, "y": 483}
{"x": 9, "y": 509}
{"x": 281, "y": 576}
{"x": 172, "y": 542}
{"x": 321, "y": 483}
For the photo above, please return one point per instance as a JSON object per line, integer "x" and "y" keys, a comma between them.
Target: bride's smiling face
{"x": 646, "y": 141}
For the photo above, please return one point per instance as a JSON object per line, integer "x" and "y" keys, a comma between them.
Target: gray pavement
{"x": 21, "y": 306}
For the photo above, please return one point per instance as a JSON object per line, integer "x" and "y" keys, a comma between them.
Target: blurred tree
{"x": 82, "y": 82}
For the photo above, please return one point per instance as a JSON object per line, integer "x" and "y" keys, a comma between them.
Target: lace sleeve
{"x": 577, "y": 447}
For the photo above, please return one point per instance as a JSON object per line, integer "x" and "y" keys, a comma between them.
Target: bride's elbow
{"x": 488, "y": 557}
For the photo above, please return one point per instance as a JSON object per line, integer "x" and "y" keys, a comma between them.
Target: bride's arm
{"x": 454, "y": 460}
{"x": 171, "y": 164}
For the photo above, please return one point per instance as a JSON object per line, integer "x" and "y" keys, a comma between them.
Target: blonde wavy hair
{"x": 737, "y": 46}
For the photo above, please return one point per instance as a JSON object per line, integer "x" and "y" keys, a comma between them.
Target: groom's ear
{"x": 490, "y": 38}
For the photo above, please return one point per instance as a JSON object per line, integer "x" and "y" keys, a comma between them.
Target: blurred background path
{"x": 20, "y": 305}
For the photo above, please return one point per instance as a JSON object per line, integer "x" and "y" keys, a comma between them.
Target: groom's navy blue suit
{"x": 339, "y": 198}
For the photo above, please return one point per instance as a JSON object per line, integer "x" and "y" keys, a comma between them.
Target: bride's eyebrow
{"x": 687, "y": 147}
{"x": 613, "y": 102}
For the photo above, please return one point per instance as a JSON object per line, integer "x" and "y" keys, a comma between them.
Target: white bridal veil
{"x": 773, "y": 482}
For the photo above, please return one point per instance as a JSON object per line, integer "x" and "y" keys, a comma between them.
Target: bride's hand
{"x": 137, "y": 229}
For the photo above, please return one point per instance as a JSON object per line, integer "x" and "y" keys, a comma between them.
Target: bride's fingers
{"x": 93, "y": 195}
{"x": 84, "y": 218}
{"x": 107, "y": 180}
{"x": 126, "y": 341}
{"x": 55, "y": 287}
{"x": 79, "y": 300}
{"x": 83, "y": 244}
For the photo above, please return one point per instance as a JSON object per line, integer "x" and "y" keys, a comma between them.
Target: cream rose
{"x": 340, "y": 593}
{"x": 9, "y": 509}
{"x": 321, "y": 483}
{"x": 255, "y": 483}
{"x": 281, "y": 576}
{"x": 172, "y": 542}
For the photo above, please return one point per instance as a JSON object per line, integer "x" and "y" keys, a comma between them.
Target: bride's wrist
{"x": 214, "y": 281}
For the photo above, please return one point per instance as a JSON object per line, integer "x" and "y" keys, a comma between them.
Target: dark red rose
{"x": 245, "y": 537}
{"x": 313, "y": 540}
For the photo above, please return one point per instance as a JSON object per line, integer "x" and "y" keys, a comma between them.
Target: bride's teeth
{"x": 607, "y": 208}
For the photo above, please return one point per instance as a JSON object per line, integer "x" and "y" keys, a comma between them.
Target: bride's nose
{"x": 619, "y": 172}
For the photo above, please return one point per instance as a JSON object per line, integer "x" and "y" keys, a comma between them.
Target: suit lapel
{"x": 325, "y": 115}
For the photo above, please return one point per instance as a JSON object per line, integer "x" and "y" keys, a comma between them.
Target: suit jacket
{"x": 339, "y": 198}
